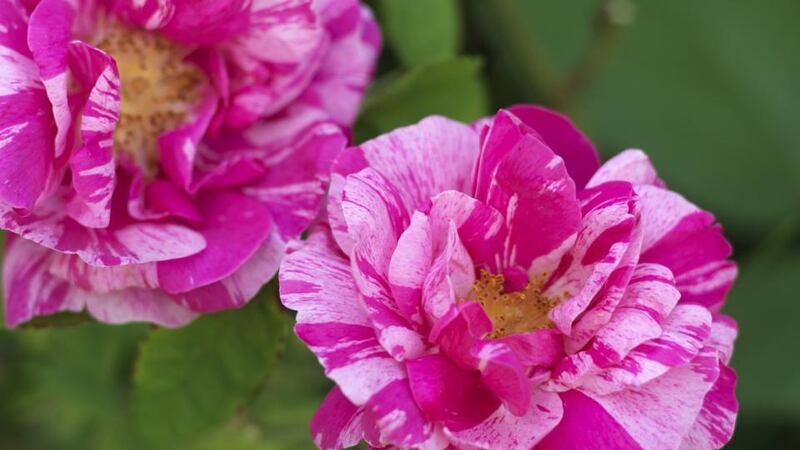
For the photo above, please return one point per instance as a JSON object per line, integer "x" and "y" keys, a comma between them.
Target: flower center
{"x": 159, "y": 90}
{"x": 513, "y": 312}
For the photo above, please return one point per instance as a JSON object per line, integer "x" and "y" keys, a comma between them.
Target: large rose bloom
{"x": 157, "y": 155}
{"x": 491, "y": 287}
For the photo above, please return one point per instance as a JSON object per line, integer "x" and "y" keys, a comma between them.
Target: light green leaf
{"x": 190, "y": 380}
{"x": 452, "y": 88}
{"x": 421, "y": 31}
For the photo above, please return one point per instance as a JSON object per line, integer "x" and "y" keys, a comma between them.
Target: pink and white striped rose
{"x": 495, "y": 287}
{"x": 157, "y": 155}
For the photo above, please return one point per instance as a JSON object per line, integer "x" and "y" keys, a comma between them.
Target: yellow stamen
{"x": 158, "y": 90}
{"x": 514, "y": 312}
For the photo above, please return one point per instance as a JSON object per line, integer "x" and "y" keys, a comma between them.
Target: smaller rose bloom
{"x": 157, "y": 155}
{"x": 492, "y": 287}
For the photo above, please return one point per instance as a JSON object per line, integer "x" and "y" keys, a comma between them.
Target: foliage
{"x": 195, "y": 378}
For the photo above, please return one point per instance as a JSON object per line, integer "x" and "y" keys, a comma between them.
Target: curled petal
{"x": 632, "y": 166}
{"x": 93, "y": 165}
{"x": 564, "y": 138}
{"x": 234, "y": 228}
{"x": 337, "y": 422}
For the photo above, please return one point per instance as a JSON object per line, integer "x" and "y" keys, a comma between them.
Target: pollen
{"x": 512, "y": 312}
{"x": 158, "y": 91}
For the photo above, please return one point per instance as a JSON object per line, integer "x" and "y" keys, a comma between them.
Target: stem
{"x": 610, "y": 17}
{"x": 523, "y": 46}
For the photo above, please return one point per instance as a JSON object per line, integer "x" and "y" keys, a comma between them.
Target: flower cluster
{"x": 159, "y": 154}
{"x": 484, "y": 286}
{"x": 493, "y": 287}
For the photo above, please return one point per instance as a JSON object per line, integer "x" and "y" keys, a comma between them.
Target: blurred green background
{"x": 707, "y": 87}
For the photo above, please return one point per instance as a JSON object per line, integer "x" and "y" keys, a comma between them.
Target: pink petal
{"x": 531, "y": 188}
{"x": 708, "y": 285}
{"x": 148, "y": 14}
{"x": 503, "y": 373}
{"x": 32, "y": 289}
{"x": 686, "y": 240}
{"x": 607, "y": 300}
{"x": 647, "y": 302}
{"x": 500, "y": 135}
{"x": 102, "y": 280}
{"x": 451, "y": 276}
{"x": 276, "y": 58}
{"x": 203, "y": 22}
{"x": 564, "y": 138}
{"x": 507, "y": 431}
{"x": 239, "y": 158}
{"x": 93, "y": 166}
{"x": 27, "y": 130}
{"x": 632, "y": 166}
{"x": 373, "y": 212}
{"x": 352, "y": 357}
{"x": 541, "y": 347}
{"x": 481, "y": 228}
{"x": 400, "y": 421}
{"x": 459, "y": 331}
{"x": 337, "y": 422}
{"x": 316, "y": 281}
{"x": 178, "y": 147}
{"x": 163, "y": 197}
{"x": 348, "y": 66}
{"x": 685, "y": 332}
{"x": 660, "y": 413}
{"x": 29, "y": 289}
{"x": 724, "y": 331}
{"x": 234, "y": 228}
{"x": 420, "y": 161}
{"x": 48, "y": 38}
{"x": 714, "y": 426}
{"x": 136, "y": 305}
{"x": 241, "y": 286}
{"x": 586, "y": 425}
{"x": 409, "y": 266}
{"x": 448, "y": 395}
{"x": 602, "y": 244}
{"x": 348, "y": 162}
{"x": 294, "y": 186}
{"x": 121, "y": 243}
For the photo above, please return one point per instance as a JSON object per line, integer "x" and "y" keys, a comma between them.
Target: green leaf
{"x": 193, "y": 379}
{"x": 452, "y": 88}
{"x": 79, "y": 378}
{"x": 421, "y": 31}
{"x": 57, "y": 320}
{"x": 285, "y": 407}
